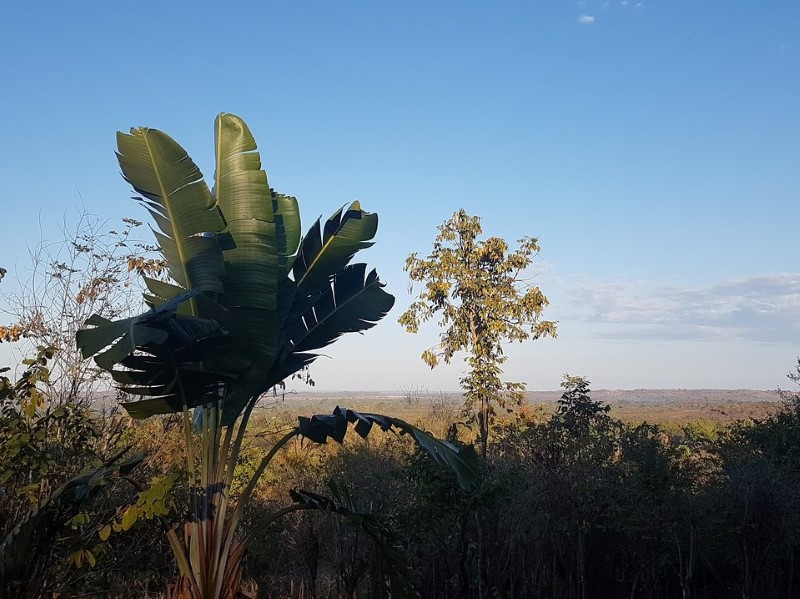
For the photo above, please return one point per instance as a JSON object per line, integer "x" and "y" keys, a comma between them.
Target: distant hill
{"x": 610, "y": 396}
{"x": 667, "y": 396}
{"x": 629, "y": 405}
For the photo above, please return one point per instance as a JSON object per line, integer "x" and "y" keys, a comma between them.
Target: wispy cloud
{"x": 586, "y": 19}
{"x": 764, "y": 308}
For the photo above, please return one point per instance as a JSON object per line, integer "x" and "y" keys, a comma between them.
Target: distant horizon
{"x": 423, "y": 392}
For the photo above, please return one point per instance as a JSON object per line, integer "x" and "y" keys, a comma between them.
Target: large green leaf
{"x": 287, "y": 217}
{"x": 241, "y": 186}
{"x": 260, "y": 299}
{"x": 173, "y": 359}
{"x": 111, "y": 341}
{"x": 461, "y": 459}
{"x": 160, "y": 292}
{"x": 324, "y": 252}
{"x": 354, "y": 301}
{"x": 172, "y": 403}
{"x": 265, "y": 225}
{"x": 265, "y": 228}
{"x": 173, "y": 190}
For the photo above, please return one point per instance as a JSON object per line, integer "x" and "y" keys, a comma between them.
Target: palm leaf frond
{"x": 265, "y": 228}
{"x": 461, "y": 459}
{"x": 325, "y": 251}
{"x": 172, "y": 189}
{"x": 171, "y": 358}
{"x": 353, "y": 302}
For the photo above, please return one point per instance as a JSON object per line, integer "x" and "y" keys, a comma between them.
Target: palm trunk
{"x": 483, "y": 426}
{"x": 210, "y": 556}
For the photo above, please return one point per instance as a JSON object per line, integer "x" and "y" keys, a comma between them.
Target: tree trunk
{"x": 582, "y": 562}
{"x": 686, "y": 567}
{"x": 481, "y": 569}
{"x": 463, "y": 570}
{"x": 483, "y": 425}
{"x": 745, "y": 569}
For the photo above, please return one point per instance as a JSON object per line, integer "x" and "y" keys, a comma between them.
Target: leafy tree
{"x": 479, "y": 290}
{"x": 759, "y": 495}
{"x": 248, "y": 305}
{"x": 578, "y": 412}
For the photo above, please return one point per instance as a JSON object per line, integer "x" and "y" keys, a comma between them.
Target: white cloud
{"x": 762, "y": 308}
{"x": 585, "y": 20}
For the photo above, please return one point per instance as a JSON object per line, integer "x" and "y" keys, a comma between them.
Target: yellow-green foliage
{"x": 477, "y": 290}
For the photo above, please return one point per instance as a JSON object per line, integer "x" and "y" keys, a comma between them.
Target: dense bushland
{"x": 577, "y": 504}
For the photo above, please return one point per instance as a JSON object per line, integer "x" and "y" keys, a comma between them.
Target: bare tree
{"x": 91, "y": 270}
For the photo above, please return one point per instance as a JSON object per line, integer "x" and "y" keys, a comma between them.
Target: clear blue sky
{"x": 653, "y": 148}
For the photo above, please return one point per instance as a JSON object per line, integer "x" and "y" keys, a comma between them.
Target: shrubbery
{"x": 577, "y": 505}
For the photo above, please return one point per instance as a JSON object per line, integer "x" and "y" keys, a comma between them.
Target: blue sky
{"x": 652, "y": 147}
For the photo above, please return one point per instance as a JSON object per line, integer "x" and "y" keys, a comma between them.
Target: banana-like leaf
{"x": 461, "y": 459}
{"x": 166, "y": 404}
{"x": 177, "y": 367}
{"x": 353, "y": 302}
{"x": 160, "y": 292}
{"x": 259, "y": 296}
{"x": 159, "y": 328}
{"x": 241, "y": 186}
{"x": 287, "y": 216}
{"x": 386, "y": 541}
{"x": 164, "y": 390}
{"x": 172, "y": 189}
{"x": 325, "y": 252}
{"x": 288, "y": 366}
{"x": 37, "y": 530}
{"x": 120, "y": 336}
{"x": 265, "y": 228}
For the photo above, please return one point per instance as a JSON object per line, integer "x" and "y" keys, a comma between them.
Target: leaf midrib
{"x": 175, "y": 235}
{"x": 322, "y": 250}
{"x": 218, "y": 176}
{"x": 337, "y": 308}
